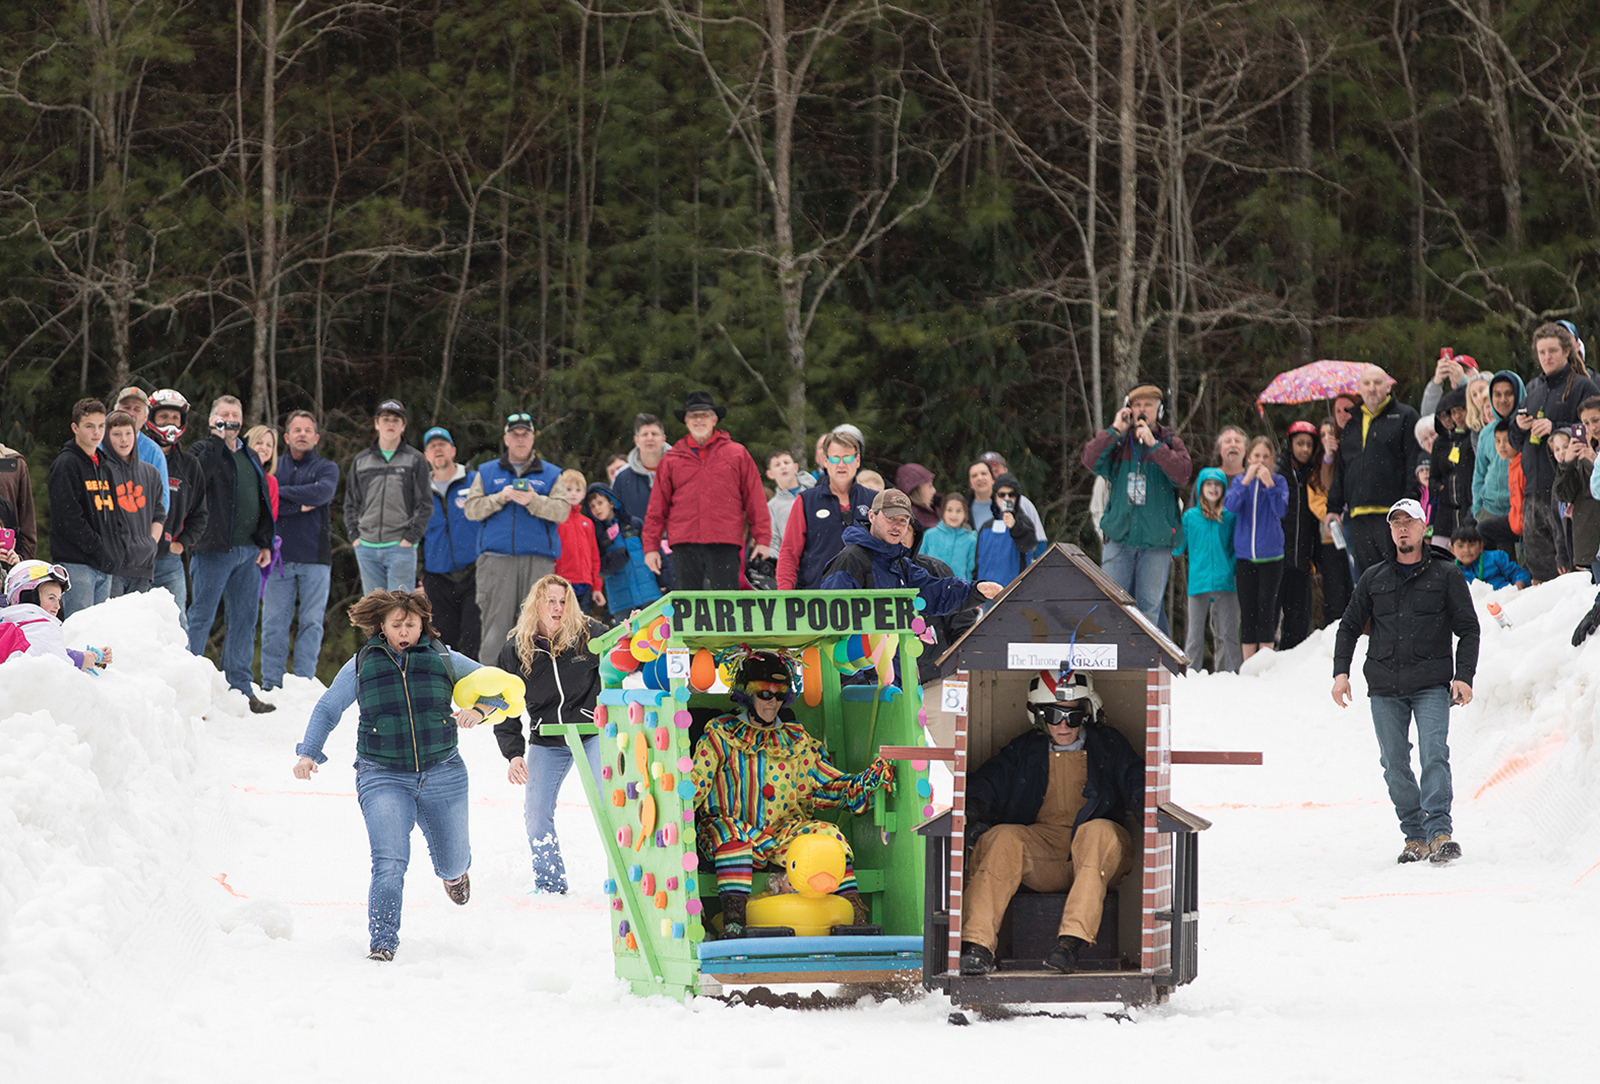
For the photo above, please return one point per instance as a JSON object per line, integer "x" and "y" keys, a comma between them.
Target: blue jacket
{"x": 630, "y": 584}
{"x": 998, "y": 556}
{"x": 867, "y": 562}
{"x": 1209, "y": 543}
{"x": 1496, "y": 569}
{"x": 1491, "y": 486}
{"x": 451, "y": 541}
{"x": 307, "y": 536}
{"x": 955, "y": 546}
{"x": 514, "y": 530}
{"x": 1258, "y": 531}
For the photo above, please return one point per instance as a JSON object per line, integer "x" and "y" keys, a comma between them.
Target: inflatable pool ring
{"x": 851, "y": 654}
{"x": 815, "y": 865}
{"x": 703, "y": 672}
{"x": 811, "y": 675}
{"x": 492, "y": 685}
{"x": 621, "y": 655}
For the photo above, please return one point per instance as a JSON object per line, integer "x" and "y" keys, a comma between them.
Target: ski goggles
{"x": 1056, "y": 715}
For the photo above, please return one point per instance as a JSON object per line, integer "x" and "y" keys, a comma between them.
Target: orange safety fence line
{"x": 1288, "y": 805}
{"x": 1586, "y": 873}
{"x": 1520, "y": 762}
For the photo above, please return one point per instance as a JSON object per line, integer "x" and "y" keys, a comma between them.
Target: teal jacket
{"x": 1164, "y": 467}
{"x": 1209, "y": 543}
{"x": 1491, "y": 486}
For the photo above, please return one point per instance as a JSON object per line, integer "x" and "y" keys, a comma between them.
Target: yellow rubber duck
{"x": 814, "y": 866}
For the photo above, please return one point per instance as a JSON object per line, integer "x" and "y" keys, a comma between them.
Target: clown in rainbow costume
{"x": 758, "y": 779}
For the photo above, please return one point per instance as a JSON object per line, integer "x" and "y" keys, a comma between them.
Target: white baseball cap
{"x": 1409, "y": 507}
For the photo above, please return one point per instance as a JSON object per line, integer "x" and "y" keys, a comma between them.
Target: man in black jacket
{"x": 1046, "y": 812}
{"x": 237, "y": 541}
{"x": 1375, "y": 467}
{"x": 1414, "y": 602}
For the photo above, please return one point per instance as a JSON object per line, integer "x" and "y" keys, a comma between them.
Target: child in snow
{"x": 1492, "y": 567}
{"x": 630, "y": 585}
{"x": 579, "y": 562}
{"x": 1208, "y": 539}
{"x": 952, "y": 540}
{"x": 33, "y": 605}
{"x": 1259, "y": 497}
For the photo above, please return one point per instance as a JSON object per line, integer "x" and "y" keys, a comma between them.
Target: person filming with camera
{"x": 1145, "y": 463}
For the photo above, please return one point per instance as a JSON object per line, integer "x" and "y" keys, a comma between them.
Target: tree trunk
{"x": 1497, "y": 115}
{"x": 791, "y": 279}
{"x": 1126, "y": 361}
{"x": 266, "y": 283}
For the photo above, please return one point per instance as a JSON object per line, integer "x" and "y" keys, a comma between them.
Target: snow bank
{"x": 97, "y": 795}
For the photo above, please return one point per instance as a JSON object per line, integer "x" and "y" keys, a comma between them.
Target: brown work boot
{"x": 459, "y": 889}
{"x": 863, "y": 916}
{"x": 1416, "y": 850}
{"x": 1443, "y": 849}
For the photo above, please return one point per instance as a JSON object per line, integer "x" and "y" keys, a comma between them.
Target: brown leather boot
{"x": 863, "y": 916}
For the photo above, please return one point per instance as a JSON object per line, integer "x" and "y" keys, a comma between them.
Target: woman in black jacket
{"x": 549, "y": 650}
{"x": 1302, "y": 531}
{"x": 1551, "y": 403}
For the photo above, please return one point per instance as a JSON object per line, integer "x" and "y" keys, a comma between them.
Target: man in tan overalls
{"x": 1046, "y": 812}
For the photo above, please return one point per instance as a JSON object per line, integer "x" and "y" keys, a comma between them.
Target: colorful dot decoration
{"x": 682, "y": 719}
{"x": 694, "y": 907}
{"x": 686, "y": 764}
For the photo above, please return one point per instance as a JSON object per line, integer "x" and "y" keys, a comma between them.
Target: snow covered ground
{"x": 175, "y": 906}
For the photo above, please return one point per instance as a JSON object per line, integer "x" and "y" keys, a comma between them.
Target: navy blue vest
{"x": 825, "y": 529}
{"x": 515, "y": 530}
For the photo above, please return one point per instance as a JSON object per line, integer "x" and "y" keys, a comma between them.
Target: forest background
{"x": 959, "y": 224}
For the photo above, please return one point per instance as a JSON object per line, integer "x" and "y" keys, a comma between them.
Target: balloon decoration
{"x": 811, "y": 675}
{"x": 703, "y": 672}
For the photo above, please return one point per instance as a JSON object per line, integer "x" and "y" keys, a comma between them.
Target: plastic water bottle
{"x": 1499, "y": 615}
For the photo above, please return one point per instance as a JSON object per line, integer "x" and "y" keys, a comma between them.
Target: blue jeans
{"x": 547, "y": 768}
{"x": 90, "y": 587}
{"x": 232, "y": 579}
{"x": 126, "y": 585}
{"x": 387, "y": 568}
{"x": 169, "y": 574}
{"x": 392, "y": 801}
{"x": 1142, "y": 573}
{"x": 1425, "y": 812}
{"x": 310, "y": 582}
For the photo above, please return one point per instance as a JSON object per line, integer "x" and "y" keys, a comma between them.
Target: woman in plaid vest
{"x": 407, "y": 768}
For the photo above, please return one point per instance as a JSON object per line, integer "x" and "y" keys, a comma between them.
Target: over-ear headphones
{"x": 1161, "y": 404}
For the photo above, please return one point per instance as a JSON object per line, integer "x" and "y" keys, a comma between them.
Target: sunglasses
{"x": 519, "y": 419}
{"x": 1054, "y": 715}
{"x": 768, "y": 694}
{"x": 841, "y": 459}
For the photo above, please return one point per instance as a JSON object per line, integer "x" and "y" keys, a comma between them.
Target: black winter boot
{"x": 1064, "y": 957}
{"x": 975, "y": 959}
{"x": 732, "y": 913}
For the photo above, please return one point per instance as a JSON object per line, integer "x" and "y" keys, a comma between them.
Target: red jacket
{"x": 580, "y": 554}
{"x": 707, "y": 495}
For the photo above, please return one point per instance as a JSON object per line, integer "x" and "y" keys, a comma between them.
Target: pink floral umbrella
{"x": 1311, "y": 383}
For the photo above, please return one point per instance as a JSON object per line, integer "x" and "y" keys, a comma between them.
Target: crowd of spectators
{"x": 1503, "y": 470}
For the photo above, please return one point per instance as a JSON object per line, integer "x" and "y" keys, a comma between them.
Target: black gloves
{"x": 1590, "y": 622}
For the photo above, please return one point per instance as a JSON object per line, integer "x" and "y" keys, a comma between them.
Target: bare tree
{"x": 761, "y": 70}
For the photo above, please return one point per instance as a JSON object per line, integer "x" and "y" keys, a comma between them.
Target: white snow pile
{"x": 97, "y": 800}
{"x": 174, "y": 906}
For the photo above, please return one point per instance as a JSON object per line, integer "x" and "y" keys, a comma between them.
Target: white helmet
{"x": 28, "y": 575}
{"x": 167, "y": 399}
{"x": 1048, "y": 691}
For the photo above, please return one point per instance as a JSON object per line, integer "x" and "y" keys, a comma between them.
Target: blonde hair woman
{"x": 262, "y": 440}
{"x": 1479, "y": 413}
{"x": 549, "y": 650}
